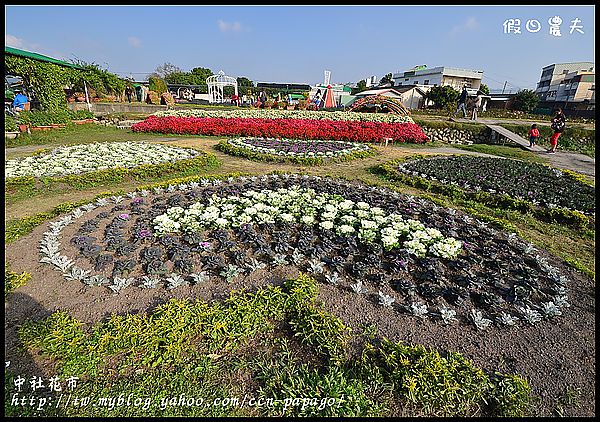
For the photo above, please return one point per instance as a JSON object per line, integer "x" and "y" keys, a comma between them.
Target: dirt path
{"x": 357, "y": 168}
{"x": 352, "y": 169}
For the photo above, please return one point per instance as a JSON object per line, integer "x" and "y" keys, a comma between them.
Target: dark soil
{"x": 554, "y": 356}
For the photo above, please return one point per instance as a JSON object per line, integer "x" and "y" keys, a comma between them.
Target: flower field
{"x": 92, "y": 157}
{"x": 540, "y": 184}
{"x": 394, "y": 285}
{"x": 445, "y": 266}
{"x": 288, "y": 115}
{"x": 300, "y": 151}
{"x": 339, "y": 130}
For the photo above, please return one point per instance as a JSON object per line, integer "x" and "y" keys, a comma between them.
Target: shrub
{"x": 157, "y": 85}
{"x": 10, "y": 124}
{"x": 525, "y": 100}
{"x": 152, "y": 97}
{"x": 45, "y": 118}
{"x": 81, "y": 115}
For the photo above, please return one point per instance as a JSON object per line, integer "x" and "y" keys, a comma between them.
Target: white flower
{"x": 327, "y": 225}
{"x": 308, "y": 219}
{"x": 345, "y": 229}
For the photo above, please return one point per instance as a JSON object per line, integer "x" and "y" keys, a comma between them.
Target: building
{"x": 570, "y": 86}
{"x": 371, "y": 81}
{"x": 556, "y": 74}
{"x": 411, "y": 96}
{"x": 439, "y": 76}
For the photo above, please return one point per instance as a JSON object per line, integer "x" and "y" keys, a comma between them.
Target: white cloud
{"x": 12, "y": 41}
{"x": 20, "y": 43}
{"x": 134, "y": 42}
{"x": 470, "y": 25}
{"x": 229, "y": 26}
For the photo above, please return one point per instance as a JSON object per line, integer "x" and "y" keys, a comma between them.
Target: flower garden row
{"x": 294, "y": 150}
{"x": 351, "y": 131}
{"x": 548, "y": 193}
{"x": 404, "y": 253}
{"x": 85, "y": 158}
{"x": 288, "y": 115}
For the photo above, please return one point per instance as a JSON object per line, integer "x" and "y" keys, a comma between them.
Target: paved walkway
{"x": 545, "y": 121}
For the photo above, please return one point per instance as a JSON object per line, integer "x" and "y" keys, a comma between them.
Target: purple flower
{"x": 144, "y": 233}
{"x": 124, "y": 216}
{"x": 138, "y": 200}
{"x": 205, "y": 245}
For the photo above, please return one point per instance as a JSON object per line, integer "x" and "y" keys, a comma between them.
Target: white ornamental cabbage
{"x": 86, "y": 158}
{"x": 296, "y": 204}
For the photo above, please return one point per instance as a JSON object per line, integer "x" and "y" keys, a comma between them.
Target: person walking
{"x": 462, "y": 103}
{"x": 534, "y": 133}
{"x": 477, "y": 105}
{"x": 128, "y": 92}
{"x": 557, "y": 125}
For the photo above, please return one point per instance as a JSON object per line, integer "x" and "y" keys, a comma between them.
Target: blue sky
{"x": 297, "y": 43}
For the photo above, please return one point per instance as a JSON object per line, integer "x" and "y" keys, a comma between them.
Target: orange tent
{"x": 329, "y": 100}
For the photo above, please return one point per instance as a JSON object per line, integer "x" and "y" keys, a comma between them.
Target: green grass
{"x": 80, "y": 134}
{"x": 277, "y": 345}
{"x": 13, "y": 280}
{"x": 21, "y": 188}
{"x": 574, "y": 244}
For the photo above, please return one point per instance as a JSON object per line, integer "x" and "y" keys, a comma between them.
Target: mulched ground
{"x": 553, "y": 356}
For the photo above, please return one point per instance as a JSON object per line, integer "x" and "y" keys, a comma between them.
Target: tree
{"x": 244, "y": 82}
{"x": 443, "y": 95}
{"x": 360, "y": 86}
{"x": 199, "y": 75}
{"x": 179, "y": 78}
{"x": 525, "y": 100}
{"x": 165, "y": 70}
{"x": 387, "y": 79}
{"x": 485, "y": 89}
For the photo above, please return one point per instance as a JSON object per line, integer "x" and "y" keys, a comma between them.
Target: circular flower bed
{"x": 301, "y": 151}
{"x": 85, "y": 158}
{"x": 540, "y": 184}
{"x": 400, "y": 251}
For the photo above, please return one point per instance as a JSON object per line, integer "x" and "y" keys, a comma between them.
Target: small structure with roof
{"x": 216, "y": 83}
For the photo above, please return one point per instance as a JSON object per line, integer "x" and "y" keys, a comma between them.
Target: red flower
{"x": 353, "y": 131}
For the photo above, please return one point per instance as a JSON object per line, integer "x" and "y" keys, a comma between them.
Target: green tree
{"x": 182, "y": 78}
{"x": 386, "y": 79}
{"x": 360, "y": 86}
{"x": 199, "y": 75}
{"x": 485, "y": 89}
{"x": 244, "y": 82}
{"x": 443, "y": 95}
{"x": 525, "y": 100}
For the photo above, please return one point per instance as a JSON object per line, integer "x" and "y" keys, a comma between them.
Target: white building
{"x": 439, "y": 76}
{"x": 371, "y": 81}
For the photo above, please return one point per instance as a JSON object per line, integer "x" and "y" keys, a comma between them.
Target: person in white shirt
{"x": 477, "y": 105}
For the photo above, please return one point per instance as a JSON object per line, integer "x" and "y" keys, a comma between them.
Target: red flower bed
{"x": 352, "y": 131}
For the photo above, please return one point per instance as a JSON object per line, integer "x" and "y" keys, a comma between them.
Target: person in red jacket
{"x": 534, "y": 133}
